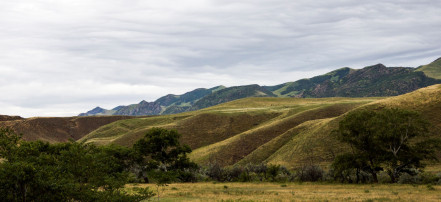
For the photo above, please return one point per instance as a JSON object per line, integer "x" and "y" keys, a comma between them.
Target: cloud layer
{"x": 60, "y": 58}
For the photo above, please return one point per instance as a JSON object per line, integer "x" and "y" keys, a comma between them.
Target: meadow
{"x": 212, "y": 191}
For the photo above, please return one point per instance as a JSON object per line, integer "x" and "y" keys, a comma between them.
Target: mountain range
{"x": 371, "y": 81}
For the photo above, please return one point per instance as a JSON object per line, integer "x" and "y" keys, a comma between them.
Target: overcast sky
{"x": 64, "y": 57}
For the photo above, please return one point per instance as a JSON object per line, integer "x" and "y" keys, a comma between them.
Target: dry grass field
{"x": 208, "y": 191}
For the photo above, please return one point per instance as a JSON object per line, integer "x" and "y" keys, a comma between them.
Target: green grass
{"x": 117, "y": 129}
{"x": 279, "y": 91}
{"x": 432, "y": 70}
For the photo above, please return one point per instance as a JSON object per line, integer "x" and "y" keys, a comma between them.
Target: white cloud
{"x": 65, "y": 57}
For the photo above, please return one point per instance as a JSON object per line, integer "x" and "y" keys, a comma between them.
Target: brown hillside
{"x": 58, "y": 129}
{"x": 205, "y": 128}
{"x": 210, "y": 128}
{"x": 9, "y": 118}
{"x": 244, "y": 144}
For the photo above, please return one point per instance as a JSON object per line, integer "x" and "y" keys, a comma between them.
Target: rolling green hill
{"x": 230, "y": 94}
{"x": 432, "y": 70}
{"x": 286, "y": 131}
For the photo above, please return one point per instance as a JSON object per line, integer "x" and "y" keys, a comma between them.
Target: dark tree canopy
{"x": 385, "y": 139}
{"x": 39, "y": 171}
{"x": 160, "y": 150}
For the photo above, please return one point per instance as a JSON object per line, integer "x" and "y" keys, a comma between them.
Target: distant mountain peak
{"x": 96, "y": 110}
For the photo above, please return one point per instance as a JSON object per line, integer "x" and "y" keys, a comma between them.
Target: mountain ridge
{"x": 370, "y": 81}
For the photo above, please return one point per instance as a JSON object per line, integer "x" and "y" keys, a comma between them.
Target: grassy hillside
{"x": 57, "y": 129}
{"x": 312, "y": 142}
{"x": 433, "y": 69}
{"x": 229, "y": 132}
{"x": 9, "y": 118}
{"x": 230, "y": 94}
{"x": 286, "y": 131}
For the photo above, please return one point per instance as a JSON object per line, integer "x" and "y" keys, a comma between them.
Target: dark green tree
{"x": 160, "y": 150}
{"x": 39, "y": 171}
{"x": 8, "y": 142}
{"x": 358, "y": 130}
{"x": 403, "y": 137}
{"x": 162, "y": 158}
{"x": 385, "y": 139}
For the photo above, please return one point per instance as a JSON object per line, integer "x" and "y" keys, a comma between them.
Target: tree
{"x": 358, "y": 130}
{"x": 39, "y": 171}
{"x": 9, "y": 141}
{"x": 162, "y": 157}
{"x": 160, "y": 149}
{"x": 386, "y": 139}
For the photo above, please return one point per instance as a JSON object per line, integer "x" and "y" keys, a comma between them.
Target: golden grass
{"x": 426, "y": 101}
{"x": 294, "y": 192}
{"x": 312, "y": 145}
{"x": 285, "y": 131}
{"x": 229, "y": 132}
{"x": 234, "y": 149}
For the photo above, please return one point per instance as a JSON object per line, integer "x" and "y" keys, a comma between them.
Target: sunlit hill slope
{"x": 286, "y": 131}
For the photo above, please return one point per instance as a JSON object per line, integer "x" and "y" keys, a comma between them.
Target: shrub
{"x": 273, "y": 171}
{"x": 309, "y": 173}
{"x": 216, "y": 172}
{"x": 409, "y": 179}
{"x": 429, "y": 178}
{"x": 383, "y": 177}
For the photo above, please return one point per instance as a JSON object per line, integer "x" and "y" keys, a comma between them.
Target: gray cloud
{"x": 60, "y": 58}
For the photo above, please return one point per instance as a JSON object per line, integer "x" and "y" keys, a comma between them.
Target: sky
{"x": 65, "y": 57}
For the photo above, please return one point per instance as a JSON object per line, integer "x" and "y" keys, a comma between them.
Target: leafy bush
{"x": 429, "y": 178}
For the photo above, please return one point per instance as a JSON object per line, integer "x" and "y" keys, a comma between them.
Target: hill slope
{"x": 228, "y": 132}
{"x": 433, "y": 69}
{"x": 57, "y": 129}
{"x": 286, "y": 131}
{"x": 9, "y": 118}
{"x": 230, "y": 94}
